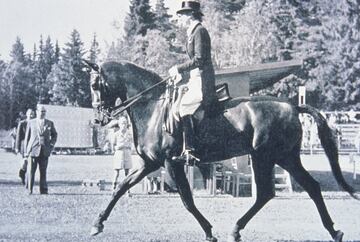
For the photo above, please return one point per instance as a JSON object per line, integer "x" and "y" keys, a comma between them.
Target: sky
{"x": 28, "y": 19}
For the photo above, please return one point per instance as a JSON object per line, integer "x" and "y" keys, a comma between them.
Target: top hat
{"x": 189, "y": 6}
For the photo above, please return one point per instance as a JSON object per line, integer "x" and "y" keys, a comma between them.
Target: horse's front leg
{"x": 178, "y": 174}
{"x": 133, "y": 178}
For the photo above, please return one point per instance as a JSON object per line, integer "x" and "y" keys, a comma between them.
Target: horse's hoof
{"x": 339, "y": 236}
{"x": 212, "y": 239}
{"x": 234, "y": 238}
{"x": 96, "y": 229}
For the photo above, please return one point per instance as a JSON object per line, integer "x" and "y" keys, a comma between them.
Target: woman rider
{"x": 201, "y": 84}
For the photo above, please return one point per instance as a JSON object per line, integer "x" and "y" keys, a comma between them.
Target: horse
{"x": 267, "y": 128}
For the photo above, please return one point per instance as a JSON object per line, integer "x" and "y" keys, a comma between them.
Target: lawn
{"x": 67, "y": 212}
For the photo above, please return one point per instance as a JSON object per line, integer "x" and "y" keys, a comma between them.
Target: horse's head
{"x": 102, "y": 97}
{"x": 115, "y": 80}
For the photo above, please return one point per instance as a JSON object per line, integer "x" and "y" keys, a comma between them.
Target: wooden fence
{"x": 348, "y": 139}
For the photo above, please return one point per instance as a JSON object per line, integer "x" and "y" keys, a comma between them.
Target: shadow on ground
{"x": 327, "y": 181}
{"x": 52, "y": 183}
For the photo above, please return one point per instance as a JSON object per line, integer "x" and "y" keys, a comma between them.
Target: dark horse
{"x": 267, "y": 128}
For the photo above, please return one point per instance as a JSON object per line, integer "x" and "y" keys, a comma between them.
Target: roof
{"x": 262, "y": 75}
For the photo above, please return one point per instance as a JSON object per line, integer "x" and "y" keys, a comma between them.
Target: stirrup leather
{"x": 187, "y": 157}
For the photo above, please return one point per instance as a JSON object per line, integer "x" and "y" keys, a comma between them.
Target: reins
{"x": 128, "y": 102}
{"x": 134, "y": 99}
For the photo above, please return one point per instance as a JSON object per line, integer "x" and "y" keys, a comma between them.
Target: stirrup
{"x": 187, "y": 157}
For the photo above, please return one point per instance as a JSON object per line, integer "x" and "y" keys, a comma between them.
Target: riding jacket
{"x": 201, "y": 85}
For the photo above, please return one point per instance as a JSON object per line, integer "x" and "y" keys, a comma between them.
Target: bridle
{"x": 99, "y": 88}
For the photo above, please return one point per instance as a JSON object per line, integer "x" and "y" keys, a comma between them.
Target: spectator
{"x": 12, "y": 135}
{"x": 40, "y": 140}
{"x": 19, "y": 143}
{"x": 122, "y": 148}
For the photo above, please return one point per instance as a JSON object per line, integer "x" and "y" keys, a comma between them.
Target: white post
{"x": 162, "y": 181}
{"x": 353, "y": 161}
{"x": 302, "y": 95}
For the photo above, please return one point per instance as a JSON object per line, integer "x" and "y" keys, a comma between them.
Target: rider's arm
{"x": 201, "y": 45}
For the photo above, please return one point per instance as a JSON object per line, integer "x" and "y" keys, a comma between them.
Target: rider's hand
{"x": 173, "y": 71}
{"x": 175, "y": 75}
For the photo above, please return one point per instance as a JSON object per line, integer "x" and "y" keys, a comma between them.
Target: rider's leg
{"x": 188, "y": 132}
{"x": 189, "y": 140}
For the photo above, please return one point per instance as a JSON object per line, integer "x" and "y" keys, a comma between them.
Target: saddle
{"x": 171, "y": 117}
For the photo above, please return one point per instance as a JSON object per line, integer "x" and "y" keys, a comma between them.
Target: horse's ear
{"x": 93, "y": 66}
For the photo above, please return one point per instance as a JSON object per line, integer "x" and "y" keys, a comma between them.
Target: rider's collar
{"x": 192, "y": 27}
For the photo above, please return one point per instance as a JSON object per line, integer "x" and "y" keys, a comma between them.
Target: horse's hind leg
{"x": 264, "y": 192}
{"x": 129, "y": 181}
{"x": 178, "y": 174}
{"x": 292, "y": 164}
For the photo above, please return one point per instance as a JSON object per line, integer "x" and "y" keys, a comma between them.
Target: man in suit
{"x": 40, "y": 139}
{"x": 19, "y": 143}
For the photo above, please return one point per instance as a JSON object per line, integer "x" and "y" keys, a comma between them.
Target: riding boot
{"x": 189, "y": 142}
{"x": 188, "y": 133}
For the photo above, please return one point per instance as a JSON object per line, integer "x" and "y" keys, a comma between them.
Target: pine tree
{"x": 163, "y": 20}
{"x": 71, "y": 83}
{"x": 43, "y": 64}
{"x": 94, "y": 51}
{"x": 3, "y": 95}
{"x": 138, "y": 22}
{"x": 17, "y": 53}
{"x": 139, "y": 19}
{"x": 116, "y": 52}
{"x": 17, "y": 80}
{"x": 34, "y": 55}
{"x": 57, "y": 53}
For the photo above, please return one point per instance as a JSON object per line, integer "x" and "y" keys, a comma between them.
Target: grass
{"x": 67, "y": 212}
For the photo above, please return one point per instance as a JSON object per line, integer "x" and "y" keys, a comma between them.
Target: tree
{"x": 94, "y": 51}
{"x": 157, "y": 55}
{"x": 57, "y": 53}
{"x": 17, "y": 52}
{"x": 17, "y": 85}
{"x": 246, "y": 40}
{"x": 225, "y": 7}
{"x": 3, "y": 95}
{"x": 70, "y": 82}
{"x": 115, "y": 52}
{"x": 139, "y": 19}
{"x": 43, "y": 64}
{"x": 349, "y": 65}
{"x": 163, "y": 20}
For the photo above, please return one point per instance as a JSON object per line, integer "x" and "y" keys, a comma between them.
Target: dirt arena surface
{"x": 66, "y": 214}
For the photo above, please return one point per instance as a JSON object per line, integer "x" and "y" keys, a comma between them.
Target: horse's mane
{"x": 126, "y": 66}
{"x": 127, "y": 73}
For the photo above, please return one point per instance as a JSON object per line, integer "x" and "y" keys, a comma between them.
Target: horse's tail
{"x": 328, "y": 141}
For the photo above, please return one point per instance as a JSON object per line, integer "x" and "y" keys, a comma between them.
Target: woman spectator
{"x": 122, "y": 149}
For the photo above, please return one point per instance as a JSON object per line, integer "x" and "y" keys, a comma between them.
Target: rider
{"x": 201, "y": 85}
